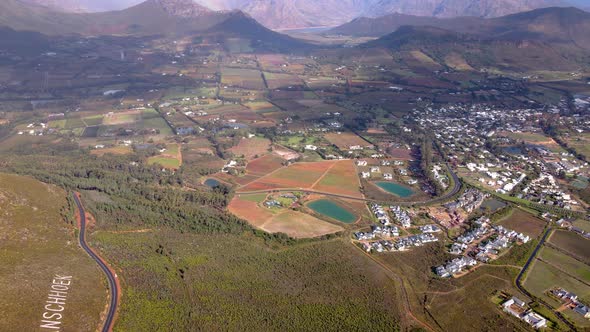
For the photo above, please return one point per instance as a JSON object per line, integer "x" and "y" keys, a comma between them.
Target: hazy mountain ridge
{"x": 289, "y": 14}
{"x": 553, "y": 25}
{"x": 516, "y": 42}
{"x": 151, "y": 18}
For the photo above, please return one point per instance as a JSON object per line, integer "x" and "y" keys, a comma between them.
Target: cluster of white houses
{"x": 469, "y": 201}
{"x": 464, "y": 133}
{"x": 499, "y": 238}
{"x": 401, "y": 216}
{"x": 572, "y": 301}
{"x": 455, "y": 266}
{"x": 442, "y": 179}
{"x": 381, "y": 215}
{"x": 378, "y": 231}
{"x": 520, "y": 310}
{"x": 400, "y": 244}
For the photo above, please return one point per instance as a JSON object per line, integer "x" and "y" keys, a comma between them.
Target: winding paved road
{"x": 111, "y": 276}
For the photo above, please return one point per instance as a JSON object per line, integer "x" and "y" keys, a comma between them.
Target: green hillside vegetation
{"x": 38, "y": 242}
{"x": 177, "y": 281}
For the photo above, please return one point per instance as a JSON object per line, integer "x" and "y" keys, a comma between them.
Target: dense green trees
{"x": 136, "y": 193}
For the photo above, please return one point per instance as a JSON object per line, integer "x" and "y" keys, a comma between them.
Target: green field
{"x": 572, "y": 243}
{"x": 543, "y": 277}
{"x": 258, "y": 198}
{"x": 566, "y": 263}
{"x": 166, "y": 162}
{"x": 37, "y": 244}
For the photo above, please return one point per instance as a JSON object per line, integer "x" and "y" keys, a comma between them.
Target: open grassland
{"x": 582, "y": 224}
{"x": 445, "y": 303}
{"x": 524, "y": 222}
{"x": 37, "y": 244}
{"x": 114, "y": 150}
{"x": 166, "y": 162}
{"x": 181, "y": 282}
{"x": 580, "y": 143}
{"x": 299, "y": 225}
{"x": 537, "y": 139}
{"x": 424, "y": 58}
{"x": 457, "y": 62}
{"x": 573, "y": 244}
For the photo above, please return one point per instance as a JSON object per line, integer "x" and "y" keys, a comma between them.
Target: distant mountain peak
{"x": 182, "y": 8}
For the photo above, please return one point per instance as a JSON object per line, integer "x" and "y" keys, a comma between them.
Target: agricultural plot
{"x": 277, "y": 81}
{"x": 37, "y": 245}
{"x": 112, "y": 124}
{"x": 292, "y": 223}
{"x": 262, "y": 107}
{"x": 544, "y": 276}
{"x": 120, "y": 118}
{"x": 335, "y": 177}
{"x": 524, "y": 222}
{"x": 273, "y": 62}
{"x": 572, "y": 243}
{"x": 341, "y": 179}
{"x": 264, "y": 165}
{"x": 171, "y": 158}
{"x": 300, "y": 175}
{"x": 245, "y": 78}
{"x": 346, "y": 140}
{"x": 251, "y": 148}
{"x": 400, "y": 154}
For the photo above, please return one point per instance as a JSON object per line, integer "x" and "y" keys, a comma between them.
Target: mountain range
{"x": 149, "y": 18}
{"x": 547, "y": 39}
{"x": 561, "y": 25}
{"x": 290, "y": 14}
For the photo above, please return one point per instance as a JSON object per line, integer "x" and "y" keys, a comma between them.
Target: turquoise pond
{"x": 396, "y": 189}
{"x": 332, "y": 210}
{"x": 212, "y": 183}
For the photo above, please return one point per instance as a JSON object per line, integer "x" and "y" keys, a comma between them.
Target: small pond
{"x": 330, "y": 209}
{"x": 396, "y": 189}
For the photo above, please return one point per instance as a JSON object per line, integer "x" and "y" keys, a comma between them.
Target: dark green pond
{"x": 212, "y": 183}
{"x": 396, "y": 189}
{"x": 332, "y": 210}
